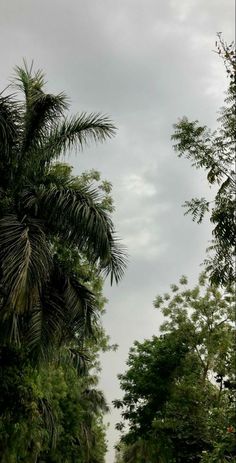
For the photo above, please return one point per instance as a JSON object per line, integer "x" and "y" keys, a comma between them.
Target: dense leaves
{"x": 49, "y": 414}
{"x": 177, "y": 403}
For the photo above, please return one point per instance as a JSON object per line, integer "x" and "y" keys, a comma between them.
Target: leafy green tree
{"x": 177, "y": 401}
{"x": 215, "y": 152}
{"x": 45, "y": 214}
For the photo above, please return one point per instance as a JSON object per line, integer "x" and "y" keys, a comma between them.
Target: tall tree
{"x": 57, "y": 242}
{"x": 215, "y": 152}
{"x": 44, "y": 210}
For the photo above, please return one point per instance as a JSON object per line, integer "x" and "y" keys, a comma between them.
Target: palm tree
{"x": 43, "y": 303}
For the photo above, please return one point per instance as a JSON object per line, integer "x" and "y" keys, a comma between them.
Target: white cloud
{"x": 137, "y": 185}
{"x": 144, "y": 244}
{"x": 182, "y": 9}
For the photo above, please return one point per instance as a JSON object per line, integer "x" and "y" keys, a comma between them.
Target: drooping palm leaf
{"x": 77, "y": 356}
{"x": 50, "y": 420}
{"x": 77, "y": 216}
{"x": 25, "y": 261}
{"x": 81, "y": 309}
{"x": 9, "y": 124}
{"x": 43, "y": 324}
{"x": 64, "y": 313}
{"x": 10, "y": 328}
{"x": 95, "y": 401}
{"x": 10, "y": 133}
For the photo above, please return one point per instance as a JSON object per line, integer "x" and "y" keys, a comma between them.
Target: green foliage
{"x": 53, "y": 411}
{"x": 51, "y": 222}
{"x": 49, "y": 414}
{"x": 179, "y": 401}
{"x": 215, "y": 152}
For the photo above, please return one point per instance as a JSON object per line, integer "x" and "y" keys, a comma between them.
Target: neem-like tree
{"x": 215, "y": 152}
{"x": 44, "y": 210}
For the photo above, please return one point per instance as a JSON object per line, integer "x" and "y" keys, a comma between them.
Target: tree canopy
{"x": 178, "y": 390}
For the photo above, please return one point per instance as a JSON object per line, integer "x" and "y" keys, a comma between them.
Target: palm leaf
{"x": 9, "y": 123}
{"x": 78, "y": 216}
{"x": 81, "y": 309}
{"x": 117, "y": 260}
{"x": 50, "y": 420}
{"x": 25, "y": 261}
{"x": 95, "y": 401}
{"x": 75, "y": 133}
{"x": 44, "y": 324}
{"x": 10, "y": 328}
{"x": 64, "y": 313}
{"x": 41, "y": 114}
{"x": 10, "y": 133}
{"x": 77, "y": 356}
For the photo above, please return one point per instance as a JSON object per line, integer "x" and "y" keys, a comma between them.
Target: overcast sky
{"x": 145, "y": 63}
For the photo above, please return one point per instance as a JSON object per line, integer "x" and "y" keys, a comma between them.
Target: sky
{"x": 145, "y": 63}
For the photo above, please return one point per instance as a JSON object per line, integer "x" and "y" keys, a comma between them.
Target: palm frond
{"x": 10, "y": 328}
{"x": 45, "y": 323}
{"x": 42, "y": 110}
{"x": 117, "y": 260}
{"x": 23, "y": 77}
{"x": 49, "y": 418}
{"x": 75, "y": 133}
{"x": 81, "y": 308}
{"x": 64, "y": 313}
{"x": 25, "y": 261}
{"x": 95, "y": 401}
{"x": 78, "y": 216}
{"x": 10, "y": 132}
{"x": 9, "y": 123}
{"x": 77, "y": 356}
